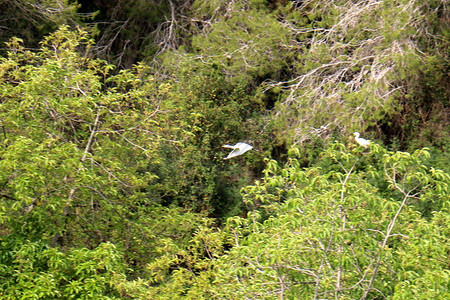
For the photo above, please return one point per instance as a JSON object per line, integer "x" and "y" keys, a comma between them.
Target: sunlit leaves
{"x": 79, "y": 150}
{"x": 326, "y": 228}
{"x": 41, "y": 272}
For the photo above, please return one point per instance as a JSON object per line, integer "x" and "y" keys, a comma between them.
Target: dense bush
{"x": 112, "y": 179}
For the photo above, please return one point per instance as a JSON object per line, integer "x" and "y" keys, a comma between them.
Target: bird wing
{"x": 233, "y": 153}
{"x": 363, "y": 142}
{"x": 244, "y": 147}
{"x": 229, "y": 146}
{"x": 238, "y": 149}
{"x": 366, "y": 143}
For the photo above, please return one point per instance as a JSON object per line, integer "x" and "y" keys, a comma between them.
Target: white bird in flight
{"x": 238, "y": 149}
{"x": 363, "y": 142}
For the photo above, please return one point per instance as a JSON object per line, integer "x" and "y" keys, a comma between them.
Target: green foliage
{"x": 319, "y": 233}
{"x": 322, "y": 232}
{"x": 213, "y": 88}
{"x": 32, "y": 19}
{"x": 59, "y": 125}
{"x": 424, "y": 266}
{"x": 113, "y": 183}
{"x": 78, "y": 151}
{"x": 129, "y": 31}
{"x": 35, "y": 271}
{"x": 361, "y": 65}
{"x": 244, "y": 47}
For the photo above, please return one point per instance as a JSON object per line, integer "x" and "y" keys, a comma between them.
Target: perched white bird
{"x": 238, "y": 149}
{"x": 363, "y": 142}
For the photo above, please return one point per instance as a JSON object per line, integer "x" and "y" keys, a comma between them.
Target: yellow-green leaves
{"x": 325, "y": 232}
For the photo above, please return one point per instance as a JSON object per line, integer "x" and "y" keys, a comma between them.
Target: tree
{"x": 328, "y": 232}
{"x": 35, "y": 271}
{"x": 31, "y": 20}
{"x": 365, "y": 64}
{"x": 113, "y": 183}
{"x": 130, "y": 31}
{"x": 79, "y": 147}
